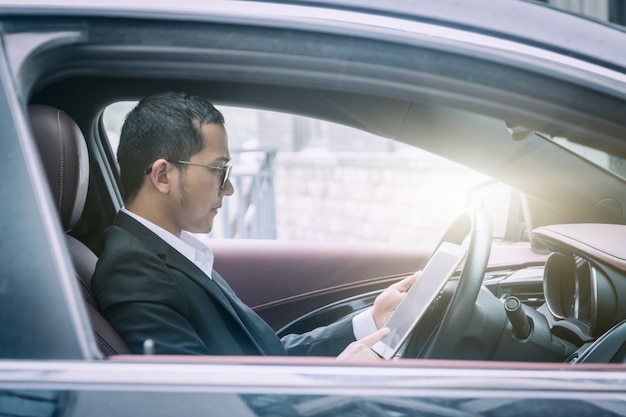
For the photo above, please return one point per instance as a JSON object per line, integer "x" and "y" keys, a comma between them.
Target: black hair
{"x": 165, "y": 125}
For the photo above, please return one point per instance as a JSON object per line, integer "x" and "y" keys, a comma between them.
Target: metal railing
{"x": 250, "y": 212}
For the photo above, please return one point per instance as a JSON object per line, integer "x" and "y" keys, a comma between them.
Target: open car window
{"x": 298, "y": 178}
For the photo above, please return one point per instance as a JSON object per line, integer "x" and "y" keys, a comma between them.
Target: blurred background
{"x": 303, "y": 179}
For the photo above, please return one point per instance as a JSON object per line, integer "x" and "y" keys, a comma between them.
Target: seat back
{"x": 64, "y": 154}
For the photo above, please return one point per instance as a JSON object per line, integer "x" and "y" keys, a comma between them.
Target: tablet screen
{"x": 434, "y": 276}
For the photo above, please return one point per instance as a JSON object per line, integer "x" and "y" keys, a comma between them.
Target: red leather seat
{"x": 66, "y": 163}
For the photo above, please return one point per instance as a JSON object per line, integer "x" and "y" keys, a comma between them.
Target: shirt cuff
{"x": 363, "y": 324}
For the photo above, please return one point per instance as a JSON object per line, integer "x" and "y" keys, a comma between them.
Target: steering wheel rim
{"x": 476, "y": 224}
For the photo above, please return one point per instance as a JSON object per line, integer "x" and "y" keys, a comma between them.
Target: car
{"x": 525, "y": 101}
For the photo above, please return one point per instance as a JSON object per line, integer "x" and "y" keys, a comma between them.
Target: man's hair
{"x": 166, "y": 125}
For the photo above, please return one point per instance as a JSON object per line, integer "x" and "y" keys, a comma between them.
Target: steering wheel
{"x": 474, "y": 224}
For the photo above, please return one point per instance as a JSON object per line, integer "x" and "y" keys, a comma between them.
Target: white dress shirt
{"x": 187, "y": 244}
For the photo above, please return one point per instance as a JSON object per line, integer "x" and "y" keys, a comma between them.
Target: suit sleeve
{"x": 328, "y": 340}
{"x": 141, "y": 300}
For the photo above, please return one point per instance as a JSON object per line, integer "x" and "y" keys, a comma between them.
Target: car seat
{"x": 65, "y": 159}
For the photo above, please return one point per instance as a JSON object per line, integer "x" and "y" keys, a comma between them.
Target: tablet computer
{"x": 434, "y": 276}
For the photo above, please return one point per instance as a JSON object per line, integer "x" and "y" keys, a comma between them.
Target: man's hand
{"x": 362, "y": 349}
{"x": 388, "y": 300}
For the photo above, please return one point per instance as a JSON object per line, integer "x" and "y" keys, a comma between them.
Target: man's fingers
{"x": 375, "y": 337}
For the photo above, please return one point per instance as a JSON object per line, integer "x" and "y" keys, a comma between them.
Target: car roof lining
{"x": 240, "y": 75}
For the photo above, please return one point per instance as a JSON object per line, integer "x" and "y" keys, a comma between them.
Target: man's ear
{"x": 160, "y": 175}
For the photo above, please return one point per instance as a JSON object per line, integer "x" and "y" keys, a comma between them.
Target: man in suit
{"x": 154, "y": 280}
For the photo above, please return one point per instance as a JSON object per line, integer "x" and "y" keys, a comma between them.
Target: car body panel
{"x": 278, "y": 387}
{"x": 44, "y": 269}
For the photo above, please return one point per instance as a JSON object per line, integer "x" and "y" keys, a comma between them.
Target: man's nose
{"x": 228, "y": 188}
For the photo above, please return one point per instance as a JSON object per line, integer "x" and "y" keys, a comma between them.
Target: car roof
{"x": 552, "y": 28}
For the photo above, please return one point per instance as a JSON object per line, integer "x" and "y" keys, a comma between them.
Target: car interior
{"x": 67, "y": 87}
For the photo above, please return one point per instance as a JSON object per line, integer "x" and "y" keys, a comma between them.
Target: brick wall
{"x": 365, "y": 197}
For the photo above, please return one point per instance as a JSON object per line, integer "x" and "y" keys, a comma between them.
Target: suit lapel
{"x": 264, "y": 336}
{"x": 218, "y": 290}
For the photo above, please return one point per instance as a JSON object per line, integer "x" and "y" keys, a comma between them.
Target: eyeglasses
{"x": 224, "y": 171}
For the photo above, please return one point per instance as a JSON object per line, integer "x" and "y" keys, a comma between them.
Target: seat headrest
{"x": 64, "y": 154}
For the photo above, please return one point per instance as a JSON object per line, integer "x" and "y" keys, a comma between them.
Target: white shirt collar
{"x": 187, "y": 244}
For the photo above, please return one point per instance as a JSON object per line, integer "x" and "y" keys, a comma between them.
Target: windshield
{"x": 604, "y": 160}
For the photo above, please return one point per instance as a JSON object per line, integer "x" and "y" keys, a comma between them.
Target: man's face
{"x": 199, "y": 192}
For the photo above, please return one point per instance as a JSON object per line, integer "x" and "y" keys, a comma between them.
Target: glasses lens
{"x": 225, "y": 175}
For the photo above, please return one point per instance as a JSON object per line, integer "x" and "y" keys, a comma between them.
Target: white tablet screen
{"x": 436, "y": 273}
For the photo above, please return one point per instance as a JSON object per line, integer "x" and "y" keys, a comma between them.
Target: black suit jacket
{"x": 148, "y": 290}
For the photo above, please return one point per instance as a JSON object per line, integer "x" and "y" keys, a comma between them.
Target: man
{"x": 154, "y": 280}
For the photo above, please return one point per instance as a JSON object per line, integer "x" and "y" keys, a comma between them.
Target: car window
{"x": 298, "y": 178}
{"x": 607, "y": 11}
{"x": 604, "y": 160}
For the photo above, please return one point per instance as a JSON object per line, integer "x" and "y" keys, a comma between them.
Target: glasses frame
{"x": 224, "y": 171}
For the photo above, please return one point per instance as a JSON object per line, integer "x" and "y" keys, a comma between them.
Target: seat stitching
{"x": 62, "y": 157}
{"x": 108, "y": 350}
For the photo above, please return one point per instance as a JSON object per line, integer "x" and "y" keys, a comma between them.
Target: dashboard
{"x": 584, "y": 278}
